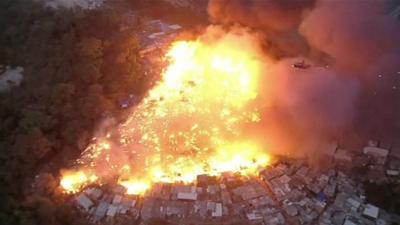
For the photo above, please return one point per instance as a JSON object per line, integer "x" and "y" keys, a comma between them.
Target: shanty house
{"x": 101, "y": 211}
{"x": 376, "y": 152}
{"x": 83, "y": 202}
{"x": 371, "y": 212}
{"x": 112, "y": 210}
{"x": 192, "y": 196}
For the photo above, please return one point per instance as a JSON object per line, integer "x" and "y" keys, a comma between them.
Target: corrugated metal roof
{"x": 371, "y": 211}
{"x": 101, "y": 210}
{"x": 84, "y": 202}
{"x": 218, "y": 210}
{"x": 376, "y": 151}
{"x": 187, "y": 196}
{"x": 112, "y": 210}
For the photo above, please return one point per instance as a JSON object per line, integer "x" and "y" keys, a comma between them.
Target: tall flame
{"x": 191, "y": 122}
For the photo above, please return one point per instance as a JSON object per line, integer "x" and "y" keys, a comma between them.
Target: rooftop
{"x": 371, "y": 211}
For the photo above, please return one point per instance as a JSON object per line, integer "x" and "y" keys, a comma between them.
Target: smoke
{"x": 355, "y": 34}
{"x": 268, "y": 15}
{"x": 358, "y": 42}
{"x": 277, "y": 20}
{"x": 362, "y": 41}
{"x": 307, "y": 106}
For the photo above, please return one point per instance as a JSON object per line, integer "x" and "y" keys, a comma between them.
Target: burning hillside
{"x": 192, "y": 122}
{"x": 224, "y": 102}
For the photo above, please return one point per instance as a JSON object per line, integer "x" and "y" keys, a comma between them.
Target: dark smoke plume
{"x": 359, "y": 90}
{"x": 280, "y": 15}
{"x": 355, "y": 33}
{"x": 363, "y": 42}
{"x": 277, "y": 20}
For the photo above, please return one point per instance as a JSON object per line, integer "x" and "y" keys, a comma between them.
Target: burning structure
{"x": 191, "y": 123}
{"x": 202, "y": 116}
{"x": 215, "y": 92}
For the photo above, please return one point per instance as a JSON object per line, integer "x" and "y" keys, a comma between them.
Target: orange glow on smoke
{"x": 190, "y": 123}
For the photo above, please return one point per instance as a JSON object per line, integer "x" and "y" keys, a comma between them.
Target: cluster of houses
{"x": 379, "y": 161}
{"x": 329, "y": 197}
{"x": 287, "y": 192}
{"x": 100, "y": 205}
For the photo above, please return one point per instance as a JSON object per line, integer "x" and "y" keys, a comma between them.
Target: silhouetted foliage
{"x": 78, "y": 66}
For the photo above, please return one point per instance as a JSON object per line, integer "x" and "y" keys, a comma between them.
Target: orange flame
{"x": 73, "y": 181}
{"x": 191, "y": 123}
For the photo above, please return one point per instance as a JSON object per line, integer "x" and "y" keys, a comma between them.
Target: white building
{"x": 376, "y": 152}
{"x": 187, "y": 196}
{"x": 218, "y": 210}
{"x": 112, "y": 210}
{"x": 371, "y": 211}
{"x": 392, "y": 172}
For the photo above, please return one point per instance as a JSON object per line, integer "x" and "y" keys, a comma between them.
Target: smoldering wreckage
{"x": 203, "y": 146}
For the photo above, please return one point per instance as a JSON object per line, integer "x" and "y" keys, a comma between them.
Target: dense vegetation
{"x": 78, "y": 66}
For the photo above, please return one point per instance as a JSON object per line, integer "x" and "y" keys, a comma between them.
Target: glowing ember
{"x": 191, "y": 123}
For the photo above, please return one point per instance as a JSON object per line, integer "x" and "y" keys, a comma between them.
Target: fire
{"x": 135, "y": 187}
{"x": 241, "y": 157}
{"x": 191, "y": 122}
{"x": 73, "y": 181}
